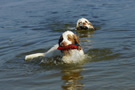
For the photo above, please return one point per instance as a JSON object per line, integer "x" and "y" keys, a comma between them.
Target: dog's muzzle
{"x": 84, "y": 27}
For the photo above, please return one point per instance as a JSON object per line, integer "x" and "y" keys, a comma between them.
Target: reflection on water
{"x": 72, "y": 78}
{"x": 84, "y": 33}
{"x": 87, "y": 33}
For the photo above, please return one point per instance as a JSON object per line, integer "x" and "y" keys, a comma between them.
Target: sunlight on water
{"x": 34, "y": 26}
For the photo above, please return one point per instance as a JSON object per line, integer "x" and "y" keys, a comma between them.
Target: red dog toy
{"x": 67, "y": 47}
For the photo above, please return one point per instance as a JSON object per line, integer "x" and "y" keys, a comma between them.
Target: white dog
{"x": 68, "y": 56}
{"x": 84, "y": 24}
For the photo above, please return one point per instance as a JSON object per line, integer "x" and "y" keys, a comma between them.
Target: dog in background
{"x": 84, "y": 24}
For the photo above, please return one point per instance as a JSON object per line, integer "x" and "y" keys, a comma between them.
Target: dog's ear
{"x": 91, "y": 26}
{"x": 79, "y": 48}
{"x": 60, "y": 40}
{"x": 76, "y": 40}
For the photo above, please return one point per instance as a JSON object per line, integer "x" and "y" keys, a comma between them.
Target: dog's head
{"x": 84, "y": 24}
{"x": 68, "y": 38}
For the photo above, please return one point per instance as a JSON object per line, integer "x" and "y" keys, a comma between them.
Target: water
{"x": 32, "y": 26}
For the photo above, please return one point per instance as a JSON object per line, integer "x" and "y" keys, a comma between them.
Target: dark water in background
{"x": 32, "y": 26}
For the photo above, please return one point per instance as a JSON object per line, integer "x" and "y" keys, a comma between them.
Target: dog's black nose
{"x": 84, "y": 27}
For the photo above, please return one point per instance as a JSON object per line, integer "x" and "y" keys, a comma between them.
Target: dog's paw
{"x": 31, "y": 56}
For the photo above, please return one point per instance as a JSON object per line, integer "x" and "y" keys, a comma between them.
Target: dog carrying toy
{"x": 68, "y": 47}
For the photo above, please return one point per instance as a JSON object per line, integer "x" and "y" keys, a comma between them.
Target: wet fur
{"x": 68, "y": 56}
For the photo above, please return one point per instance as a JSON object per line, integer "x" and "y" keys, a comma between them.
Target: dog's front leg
{"x": 31, "y": 56}
{"x": 51, "y": 52}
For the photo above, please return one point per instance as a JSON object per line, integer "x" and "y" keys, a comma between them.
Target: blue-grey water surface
{"x": 31, "y": 26}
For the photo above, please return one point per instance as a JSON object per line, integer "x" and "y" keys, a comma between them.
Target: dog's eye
{"x": 69, "y": 38}
{"x": 80, "y": 22}
{"x": 86, "y": 22}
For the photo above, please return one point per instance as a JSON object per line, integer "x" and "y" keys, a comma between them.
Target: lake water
{"x": 32, "y": 26}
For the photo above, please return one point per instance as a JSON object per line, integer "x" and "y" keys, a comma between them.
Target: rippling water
{"x": 32, "y": 26}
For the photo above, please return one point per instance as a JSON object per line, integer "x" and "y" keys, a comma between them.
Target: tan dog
{"x": 84, "y": 24}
